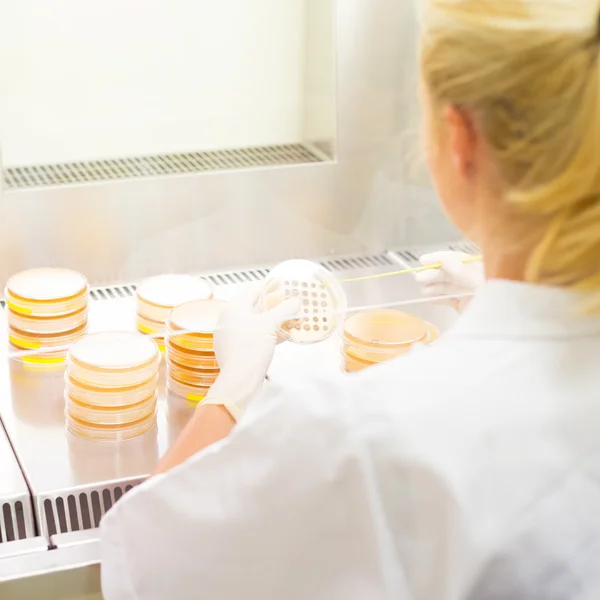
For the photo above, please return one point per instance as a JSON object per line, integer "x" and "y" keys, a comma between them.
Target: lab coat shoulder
{"x": 281, "y": 495}
{"x": 313, "y": 481}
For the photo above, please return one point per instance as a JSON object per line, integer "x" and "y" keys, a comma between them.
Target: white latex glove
{"x": 454, "y": 278}
{"x": 245, "y": 341}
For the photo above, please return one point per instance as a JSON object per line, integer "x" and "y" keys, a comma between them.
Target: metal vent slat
{"x": 78, "y": 512}
{"x": 13, "y": 522}
{"x": 466, "y": 247}
{"x": 411, "y": 255}
{"x": 237, "y": 277}
{"x": 20, "y": 177}
{"x": 356, "y": 262}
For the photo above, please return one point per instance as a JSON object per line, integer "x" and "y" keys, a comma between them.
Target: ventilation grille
{"x": 152, "y": 166}
{"x": 237, "y": 277}
{"x": 14, "y": 524}
{"x": 411, "y": 255}
{"x": 357, "y": 262}
{"x": 82, "y": 510}
{"x": 113, "y": 292}
{"x": 466, "y": 247}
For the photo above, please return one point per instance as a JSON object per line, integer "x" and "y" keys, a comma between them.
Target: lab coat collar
{"x": 502, "y": 309}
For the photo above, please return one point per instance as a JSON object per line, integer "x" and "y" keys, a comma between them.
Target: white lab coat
{"x": 469, "y": 471}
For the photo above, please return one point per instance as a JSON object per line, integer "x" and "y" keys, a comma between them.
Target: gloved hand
{"x": 245, "y": 341}
{"x": 454, "y": 278}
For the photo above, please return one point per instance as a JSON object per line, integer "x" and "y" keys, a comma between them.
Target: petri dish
{"x": 110, "y": 433}
{"x": 43, "y": 292}
{"x": 42, "y": 362}
{"x": 180, "y": 406}
{"x": 22, "y": 340}
{"x": 323, "y": 301}
{"x": 198, "y": 319}
{"x": 113, "y": 359}
{"x": 152, "y": 328}
{"x": 194, "y": 377}
{"x": 433, "y": 333}
{"x": 149, "y": 327}
{"x": 115, "y": 415}
{"x": 382, "y": 352}
{"x": 103, "y": 397}
{"x": 372, "y": 354}
{"x": 190, "y": 393}
{"x": 194, "y": 360}
{"x": 383, "y": 331}
{"x": 357, "y": 356}
{"x": 157, "y": 296}
{"x": 352, "y": 365}
{"x": 47, "y": 324}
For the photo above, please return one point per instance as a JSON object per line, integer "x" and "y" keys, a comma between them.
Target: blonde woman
{"x": 468, "y": 471}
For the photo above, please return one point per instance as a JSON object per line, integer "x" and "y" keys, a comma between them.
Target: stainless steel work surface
{"x": 73, "y": 480}
{"x": 16, "y": 519}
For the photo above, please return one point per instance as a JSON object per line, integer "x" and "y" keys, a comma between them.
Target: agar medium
{"x": 322, "y": 298}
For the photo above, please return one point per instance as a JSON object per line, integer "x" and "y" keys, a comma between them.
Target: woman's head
{"x": 512, "y": 90}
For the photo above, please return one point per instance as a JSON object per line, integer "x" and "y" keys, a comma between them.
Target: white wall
{"x": 85, "y": 79}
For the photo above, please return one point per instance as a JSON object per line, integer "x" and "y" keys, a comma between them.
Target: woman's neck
{"x": 502, "y": 263}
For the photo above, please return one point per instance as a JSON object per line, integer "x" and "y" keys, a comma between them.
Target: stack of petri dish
{"x": 376, "y": 336}
{"x": 47, "y": 310}
{"x": 157, "y": 296}
{"x": 191, "y": 362}
{"x": 111, "y": 386}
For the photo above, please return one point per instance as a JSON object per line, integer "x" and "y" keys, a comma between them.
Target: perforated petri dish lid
{"x": 322, "y": 298}
{"x": 198, "y": 320}
{"x": 114, "y": 359}
{"x": 157, "y": 296}
{"x": 40, "y": 292}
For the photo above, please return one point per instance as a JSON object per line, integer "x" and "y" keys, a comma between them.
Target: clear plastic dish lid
{"x": 322, "y": 298}
{"x": 40, "y": 292}
{"x": 113, "y": 359}
{"x": 385, "y": 328}
{"x": 110, "y": 433}
{"x": 191, "y": 325}
{"x": 158, "y": 295}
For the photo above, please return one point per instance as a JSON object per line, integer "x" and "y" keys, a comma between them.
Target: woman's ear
{"x": 462, "y": 139}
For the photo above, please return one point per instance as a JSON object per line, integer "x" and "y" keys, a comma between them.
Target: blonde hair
{"x": 529, "y": 70}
